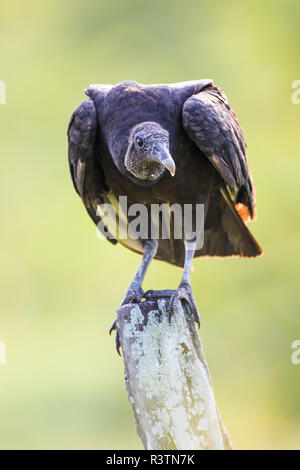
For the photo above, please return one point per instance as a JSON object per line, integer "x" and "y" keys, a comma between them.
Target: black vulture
{"x": 173, "y": 144}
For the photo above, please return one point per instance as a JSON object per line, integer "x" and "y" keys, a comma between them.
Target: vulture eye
{"x": 140, "y": 142}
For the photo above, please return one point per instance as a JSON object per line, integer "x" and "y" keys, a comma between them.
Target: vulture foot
{"x": 184, "y": 293}
{"x": 134, "y": 294}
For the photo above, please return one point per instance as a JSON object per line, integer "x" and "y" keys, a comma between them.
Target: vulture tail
{"x": 225, "y": 232}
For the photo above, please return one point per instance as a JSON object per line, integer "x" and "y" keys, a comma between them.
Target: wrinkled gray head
{"x": 147, "y": 155}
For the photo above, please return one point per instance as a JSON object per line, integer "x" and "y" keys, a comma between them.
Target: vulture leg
{"x": 184, "y": 291}
{"x": 135, "y": 292}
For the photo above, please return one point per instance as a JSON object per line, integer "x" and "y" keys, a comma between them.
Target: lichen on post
{"x": 167, "y": 379}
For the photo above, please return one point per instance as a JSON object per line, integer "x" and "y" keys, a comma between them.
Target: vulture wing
{"x": 213, "y": 126}
{"x": 84, "y": 161}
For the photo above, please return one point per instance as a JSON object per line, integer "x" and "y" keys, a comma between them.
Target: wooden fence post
{"x": 167, "y": 379}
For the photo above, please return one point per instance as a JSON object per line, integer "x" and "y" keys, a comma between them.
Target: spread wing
{"x": 213, "y": 126}
{"x": 84, "y": 161}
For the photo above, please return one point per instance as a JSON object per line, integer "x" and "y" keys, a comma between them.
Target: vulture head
{"x": 148, "y": 155}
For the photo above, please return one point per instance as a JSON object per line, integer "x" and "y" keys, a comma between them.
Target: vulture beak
{"x": 166, "y": 160}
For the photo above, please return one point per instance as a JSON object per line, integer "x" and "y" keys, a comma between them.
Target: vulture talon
{"x": 117, "y": 337}
{"x": 117, "y": 343}
{"x": 113, "y": 327}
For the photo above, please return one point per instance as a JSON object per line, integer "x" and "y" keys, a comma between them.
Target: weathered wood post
{"x": 167, "y": 379}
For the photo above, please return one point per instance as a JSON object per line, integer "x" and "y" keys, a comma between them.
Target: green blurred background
{"x": 63, "y": 383}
